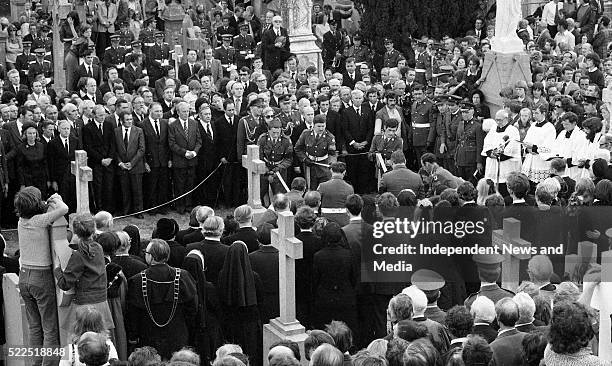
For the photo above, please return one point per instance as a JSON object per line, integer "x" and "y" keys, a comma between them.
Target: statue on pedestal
{"x": 506, "y": 21}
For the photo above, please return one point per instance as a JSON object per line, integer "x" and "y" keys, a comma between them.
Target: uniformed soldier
{"x": 489, "y": 269}
{"x": 441, "y": 70}
{"x": 421, "y": 118}
{"x": 244, "y": 46}
{"x": 392, "y": 55}
{"x": 423, "y": 62}
{"x": 22, "y": 63}
{"x": 334, "y": 193}
{"x": 147, "y": 35}
{"x": 436, "y": 142}
{"x": 470, "y": 138}
{"x": 332, "y": 46}
{"x": 358, "y": 51}
{"x": 431, "y": 283}
{"x": 159, "y": 58}
{"x": 40, "y": 66}
{"x": 114, "y": 55}
{"x": 225, "y": 28}
{"x": 277, "y": 152}
{"x": 226, "y": 54}
{"x": 385, "y": 144}
{"x": 125, "y": 34}
{"x": 448, "y": 160}
{"x": 136, "y": 48}
{"x": 314, "y": 147}
{"x": 46, "y": 38}
{"x": 288, "y": 117}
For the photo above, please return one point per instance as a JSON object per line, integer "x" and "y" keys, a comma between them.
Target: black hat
{"x": 166, "y": 228}
{"x": 467, "y": 105}
{"x": 159, "y": 34}
{"x": 357, "y": 37}
{"x": 227, "y": 36}
{"x": 284, "y": 98}
{"x": 40, "y": 50}
{"x": 421, "y": 43}
{"x": 441, "y": 99}
{"x": 589, "y": 99}
{"x": 332, "y": 22}
{"x": 257, "y": 102}
{"x": 388, "y": 41}
{"x": 244, "y": 26}
{"x": 454, "y": 99}
{"x": 136, "y": 43}
{"x": 115, "y": 37}
{"x": 27, "y": 43}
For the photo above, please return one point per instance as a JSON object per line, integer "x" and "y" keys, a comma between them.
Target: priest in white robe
{"x": 503, "y": 151}
{"x": 538, "y": 144}
{"x": 571, "y": 144}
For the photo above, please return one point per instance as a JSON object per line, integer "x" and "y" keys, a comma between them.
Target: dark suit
{"x": 100, "y": 145}
{"x": 264, "y": 261}
{"x": 76, "y": 129}
{"x": 183, "y": 168}
{"x": 130, "y": 75}
{"x": 226, "y": 148}
{"x": 185, "y": 73}
{"x": 507, "y": 348}
{"x": 58, "y": 162}
{"x": 215, "y": 253}
{"x": 81, "y": 72}
{"x": 400, "y": 178}
{"x": 274, "y": 57}
{"x": 485, "y": 331}
{"x": 246, "y": 234}
{"x": 22, "y": 94}
{"x": 130, "y": 180}
{"x": 332, "y": 43}
{"x": 208, "y": 160}
{"x": 311, "y": 243}
{"x": 350, "y": 82}
{"x": 360, "y": 171}
{"x": 157, "y": 156}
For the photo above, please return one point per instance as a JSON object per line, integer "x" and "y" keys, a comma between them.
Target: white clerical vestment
{"x": 572, "y": 145}
{"x": 536, "y": 165}
{"x": 511, "y": 148}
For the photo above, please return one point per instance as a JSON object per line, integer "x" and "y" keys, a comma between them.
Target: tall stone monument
{"x": 173, "y": 17}
{"x": 507, "y": 62}
{"x": 297, "y": 18}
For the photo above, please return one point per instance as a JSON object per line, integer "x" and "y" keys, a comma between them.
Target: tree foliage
{"x": 400, "y": 19}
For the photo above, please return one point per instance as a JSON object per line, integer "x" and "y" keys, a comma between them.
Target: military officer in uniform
{"x": 147, "y": 35}
{"x": 137, "y": 50}
{"x": 470, "y": 138}
{"x": 423, "y": 63}
{"x": 358, "y": 51}
{"x": 114, "y": 56}
{"x": 226, "y": 54}
{"x": 125, "y": 34}
{"x": 448, "y": 158}
{"x": 436, "y": 142}
{"x": 314, "y": 147}
{"x": 385, "y": 144}
{"x": 277, "y": 152}
{"x": 244, "y": 46}
{"x": 431, "y": 283}
{"x": 392, "y": 56}
{"x": 334, "y": 193}
{"x": 40, "y": 66}
{"x": 159, "y": 58}
{"x": 23, "y": 60}
{"x": 287, "y": 116}
{"x": 421, "y": 119}
{"x": 489, "y": 269}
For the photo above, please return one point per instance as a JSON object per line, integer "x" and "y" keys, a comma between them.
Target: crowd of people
{"x": 368, "y": 136}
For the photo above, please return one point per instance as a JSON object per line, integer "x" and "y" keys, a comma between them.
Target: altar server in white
{"x": 538, "y": 144}
{"x": 571, "y": 144}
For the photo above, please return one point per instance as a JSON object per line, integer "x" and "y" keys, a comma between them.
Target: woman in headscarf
{"x": 85, "y": 273}
{"x": 334, "y": 280}
{"x": 240, "y": 293}
{"x": 135, "y": 245}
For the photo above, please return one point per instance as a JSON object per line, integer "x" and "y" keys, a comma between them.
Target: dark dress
{"x": 174, "y": 335}
{"x": 240, "y": 293}
{"x": 334, "y": 282}
{"x": 32, "y": 166}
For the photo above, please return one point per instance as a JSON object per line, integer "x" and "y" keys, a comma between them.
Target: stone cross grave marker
{"x": 83, "y": 175}
{"x": 255, "y": 167}
{"x": 513, "y": 248}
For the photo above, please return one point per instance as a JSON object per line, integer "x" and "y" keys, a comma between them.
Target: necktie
{"x": 17, "y": 88}
{"x": 207, "y": 64}
{"x": 100, "y": 128}
{"x": 66, "y": 146}
{"x": 125, "y": 139}
{"x": 568, "y": 134}
{"x": 209, "y": 131}
{"x": 191, "y": 69}
{"x": 359, "y": 111}
{"x": 157, "y": 127}
{"x": 89, "y": 72}
{"x": 238, "y": 103}
{"x": 185, "y": 127}
{"x": 563, "y": 88}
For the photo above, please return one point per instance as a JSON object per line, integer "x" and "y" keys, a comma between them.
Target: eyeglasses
{"x": 269, "y": 116}
{"x": 558, "y": 106}
{"x": 261, "y": 80}
{"x": 243, "y": 74}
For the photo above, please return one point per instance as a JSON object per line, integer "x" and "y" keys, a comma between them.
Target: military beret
{"x": 257, "y": 102}
{"x": 114, "y": 37}
{"x": 40, "y": 50}
{"x": 159, "y": 34}
{"x": 427, "y": 280}
{"x": 488, "y": 258}
{"x": 320, "y": 118}
{"x": 467, "y": 105}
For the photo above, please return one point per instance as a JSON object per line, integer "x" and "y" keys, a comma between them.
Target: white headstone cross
{"x": 289, "y": 249}
{"x": 256, "y": 167}
{"x": 83, "y": 175}
{"x": 509, "y": 243}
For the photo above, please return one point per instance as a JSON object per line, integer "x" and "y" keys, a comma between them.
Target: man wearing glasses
{"x": 275, "y": 45}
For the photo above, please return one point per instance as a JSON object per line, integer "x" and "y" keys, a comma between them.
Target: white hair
{"x": 526, "y": 307}
{"x": 483, "y": 308}
{"x": 419, "y": 300}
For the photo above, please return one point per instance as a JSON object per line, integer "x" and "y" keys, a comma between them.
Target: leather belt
{"x": 317, "y": 158}
{"x": 333, "y": 210}
{"x": 421, "y": 125}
